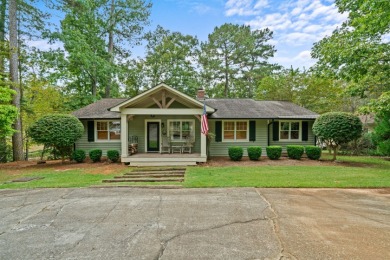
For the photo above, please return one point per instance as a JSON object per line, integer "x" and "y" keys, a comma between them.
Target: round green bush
{"x": 113, "y": 155}
{"x": 235, "y": 153}
{"x": 58, "y": 131}
{"x": 274, "y": 152}
{"x": 78, "y": 156}
{"x": 337, "y": 128}
{"x": 95, "y": 155}
{"x": 254, "y": 152}
{"x": 313, "y": 152}
{"x": 295, "y": 151}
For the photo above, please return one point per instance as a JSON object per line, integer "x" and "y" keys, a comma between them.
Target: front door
{"x": 153, "y": 137}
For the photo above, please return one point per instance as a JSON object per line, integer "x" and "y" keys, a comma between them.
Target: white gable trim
{"x": 119, "y": 107}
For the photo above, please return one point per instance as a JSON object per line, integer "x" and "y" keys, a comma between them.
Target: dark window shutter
{"x": 91, "y": 131}
{"x": 305, "y": 130}
{"x": 252, "y": 131}
{"x": 218, "y": 131}
{"x": 275, "y": 131}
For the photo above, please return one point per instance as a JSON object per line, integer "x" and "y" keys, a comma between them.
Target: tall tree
{"x": 171, "y": 57}
{"x": 315, "y": 92}
{"x": 232, "y": 57}
{"x": 98, "y": 37}
{"x": 358, "y": 52}
{"x": 17, "y": 139}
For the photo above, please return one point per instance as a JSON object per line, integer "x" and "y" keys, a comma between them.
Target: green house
{"x": 162, "y": 126}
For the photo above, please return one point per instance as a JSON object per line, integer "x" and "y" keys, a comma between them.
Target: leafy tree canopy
{"x": 336, "y": 128}
{"x": 358, "y": 51}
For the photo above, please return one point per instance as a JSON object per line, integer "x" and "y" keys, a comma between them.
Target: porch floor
{"x": 164, "y": 159}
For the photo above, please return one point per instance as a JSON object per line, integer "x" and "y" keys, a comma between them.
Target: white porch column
{"x": 124, "y": 136}
{"x": 203, "y": 145}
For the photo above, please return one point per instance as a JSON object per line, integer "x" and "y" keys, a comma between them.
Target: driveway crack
{"x": 276, "y": 229}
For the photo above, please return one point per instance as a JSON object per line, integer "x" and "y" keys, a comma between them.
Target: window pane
{"x": 102, "y": 135}
{"x": 185, "y": 126}
{"x": 284, "y": 126}
{"x": 241, "y": 135}
{"x": 241, "y": 125}
{"x": 295, "y": 126}
{"x": 228, "y": 126}
{"x": 294, "y": 134}
{"x": 228, "y": 135}
{"x": 115, "y": 130}
{"x": 101, "y": 125}
{"x": 283, "y": 134}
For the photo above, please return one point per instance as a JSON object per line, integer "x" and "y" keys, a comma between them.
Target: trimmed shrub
{"x": 58, "y": 131}
{"x": 254, "y": 152}
{"x": 235, "y": 153}
{"x": 337, "y": 128}
{"x": 113, "y": 155}
{"x": 78, "y": 156}
{"x": 295, "y": 151}
{"x": 274, "y": 152}
{"x": 95, "y": 155}
{"x": 313, "y": 152}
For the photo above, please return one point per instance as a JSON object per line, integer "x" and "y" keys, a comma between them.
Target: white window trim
{"x": 235, "y": 129}
{"x": 289, "y": 132}
{"x": 107, "y": 140}
{"x": 181, "y": 120}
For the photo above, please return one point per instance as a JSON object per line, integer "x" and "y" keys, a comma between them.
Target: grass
{"x": 371, "y": 172}
{"x": 347, "y": 172}
{"x": 288, "y": 177}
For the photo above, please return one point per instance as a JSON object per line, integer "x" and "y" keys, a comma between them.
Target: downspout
{"x": 268, "y": 141}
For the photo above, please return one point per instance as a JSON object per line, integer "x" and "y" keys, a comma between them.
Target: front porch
{"x": 157, "y": 159}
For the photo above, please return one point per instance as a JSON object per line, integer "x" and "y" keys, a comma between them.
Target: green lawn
{"x": 361, "y": 172}
{"x": 372, "y": 172}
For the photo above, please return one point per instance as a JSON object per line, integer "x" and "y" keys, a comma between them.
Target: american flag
{"x": 204, "y": 122}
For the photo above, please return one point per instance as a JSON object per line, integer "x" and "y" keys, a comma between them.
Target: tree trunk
{"x": 110, "y": 47}
{"x": 226, "y": 74}
{"x": 334, "y": 153}
{"x": 3, "y": 140}
{"x": 17, "y": 139}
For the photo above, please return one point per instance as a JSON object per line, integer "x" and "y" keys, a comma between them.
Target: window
{"x": 181, "y": 130}
{"x": 235, "y": 131}
{"x": 108, "y": 130}
{"x": 290, "y": 130}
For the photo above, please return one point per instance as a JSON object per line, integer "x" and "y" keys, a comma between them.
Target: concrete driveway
{"x": 245, "y": 223}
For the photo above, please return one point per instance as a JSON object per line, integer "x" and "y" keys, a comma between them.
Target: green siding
{"x": 221, "y": 148}
{"x": 83, "y": 143}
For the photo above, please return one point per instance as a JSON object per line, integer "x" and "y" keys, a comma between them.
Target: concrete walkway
{"x": 246, "y": 223}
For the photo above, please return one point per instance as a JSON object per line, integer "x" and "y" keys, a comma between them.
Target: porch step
{"x": 145, "y": 164}
{"x": 155, "y": 172}
{"x": 144, "y": 180}
{"x": 159, "y": 169}
{"x": 165, "y": 175}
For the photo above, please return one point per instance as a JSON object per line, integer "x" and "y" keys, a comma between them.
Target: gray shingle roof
{"x": 99, "y": 109}
{"x": 252, "y": 109}
{"x": 226, "y": 109}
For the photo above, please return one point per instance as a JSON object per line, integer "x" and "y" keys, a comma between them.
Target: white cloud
{"x": 244, "y": 7}
{"x": 275, "y": 21}
{"x": 301, "y": 60}
{"x": 298, "y": 38}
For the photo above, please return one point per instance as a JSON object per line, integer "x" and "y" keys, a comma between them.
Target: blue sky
{"x": 296, "y": 24}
